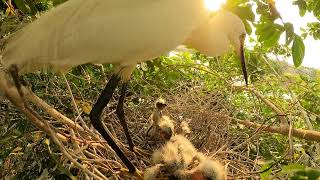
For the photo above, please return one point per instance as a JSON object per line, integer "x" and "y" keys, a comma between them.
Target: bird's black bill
{"x": 243, "y": 63}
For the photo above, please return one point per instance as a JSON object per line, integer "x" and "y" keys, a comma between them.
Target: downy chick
{"x": 206, "y": 170}
{"x": 162, "y": 127}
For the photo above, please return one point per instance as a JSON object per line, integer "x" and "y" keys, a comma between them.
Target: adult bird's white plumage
{"x": 110, "y": 31}
{"x": 121, "y": 32}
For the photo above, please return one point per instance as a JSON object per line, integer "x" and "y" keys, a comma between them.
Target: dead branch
{"x": 299, "y": 133}
{"x": 12, "y": 94}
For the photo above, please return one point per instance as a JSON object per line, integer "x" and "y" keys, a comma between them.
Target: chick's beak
{"x": 243, "y": 59}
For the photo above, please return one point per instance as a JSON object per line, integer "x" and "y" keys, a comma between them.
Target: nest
{"x": 213, "y": 130}
{"x": 211, "y": 133}
{"x": 207, "y": 113}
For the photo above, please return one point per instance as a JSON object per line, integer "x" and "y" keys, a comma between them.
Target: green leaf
{"x": 310, "y": 173}
{"x": 290, "y": 168}
{"x": 266, "y": 171}
{"x": 302, "y": 6}
{"x": 289, "y": 32}
{"x": 244, "y": 13}
{"x": 298, "y": 51}
{"x": 269, "y": 33}
{"x": 248, "y": 27}
{"x": 21, "y": 5}
{"x": 316, "y": 9}
{"x": 33, "y": 9}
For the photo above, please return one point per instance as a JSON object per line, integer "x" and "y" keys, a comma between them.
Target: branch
{"x": 12, "y": 94}
{"x": 29, "y": 95}
{"x": 279, "y": 112}
{"x": 299, "y": 133}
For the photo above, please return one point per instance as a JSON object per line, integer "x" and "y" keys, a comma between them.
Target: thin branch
{"x": 29, "y": 95}
{"x": 12, "y": 94}
{"x": 279, "y": 112}
{"x": 299, "y": 133}
{"x": 74, "y": 104}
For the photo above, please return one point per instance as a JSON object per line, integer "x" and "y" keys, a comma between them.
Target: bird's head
{"x": 214, "y": 37}
{"x": 160, "y": 104}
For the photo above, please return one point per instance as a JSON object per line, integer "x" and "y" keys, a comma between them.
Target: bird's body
{"x": 121, "y": 32}
{"x": 178, "y": 151}
{"x": 177, "y": 156}
{"x": 162, "y": 127}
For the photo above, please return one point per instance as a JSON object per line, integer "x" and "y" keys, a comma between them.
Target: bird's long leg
{"x": 97, "y": 124}
{"x": 13, "y": 70}
{"x": 15, "y": 76}
{"x": 120, "y": 115}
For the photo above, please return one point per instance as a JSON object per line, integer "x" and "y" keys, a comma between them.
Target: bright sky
{"x": 290, "y": 13}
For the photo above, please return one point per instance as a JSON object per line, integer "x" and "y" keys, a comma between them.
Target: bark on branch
{"x": 299, "y": 133}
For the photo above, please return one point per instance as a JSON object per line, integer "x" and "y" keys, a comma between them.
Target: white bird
{"x": 121, "y": 32}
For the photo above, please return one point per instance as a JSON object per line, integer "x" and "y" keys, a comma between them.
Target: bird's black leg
{"x": 97, "y": 124}
{"x": 120, "y": 115}
{"x": 15, "y": 76}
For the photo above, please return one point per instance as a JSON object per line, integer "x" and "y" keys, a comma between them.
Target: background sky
{"x": 290, "y": 13}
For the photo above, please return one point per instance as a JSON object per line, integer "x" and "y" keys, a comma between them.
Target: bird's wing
{"x": 108, "y": 31}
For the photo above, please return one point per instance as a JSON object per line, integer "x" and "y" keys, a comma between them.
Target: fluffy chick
{"x": 208, "y": 170}
{"x": 162, "y": 127}
{"x": 151, "y": 173}
{"x": 176, "y": 154}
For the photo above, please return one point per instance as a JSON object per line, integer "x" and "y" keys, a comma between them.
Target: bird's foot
{"x": 137, "y": 173}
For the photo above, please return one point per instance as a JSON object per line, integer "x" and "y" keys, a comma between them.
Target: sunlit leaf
{"x": 298, "y": 51}
{"x": 316, "y": 9}
{"x": 267, "y": 170}
{"x": 269, "y": 33}
{"x": 302, "y": 6}
{"x": 292, "y": 168}
{"x": 289, "y": 32}
{"x": 248, "y": 27}
{"x": 245, "y": 13}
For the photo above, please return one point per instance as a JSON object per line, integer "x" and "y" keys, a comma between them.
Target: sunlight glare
{"x": 214, "y": 5}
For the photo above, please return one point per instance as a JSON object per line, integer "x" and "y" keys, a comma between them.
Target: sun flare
{"x": 214, "y": 5}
